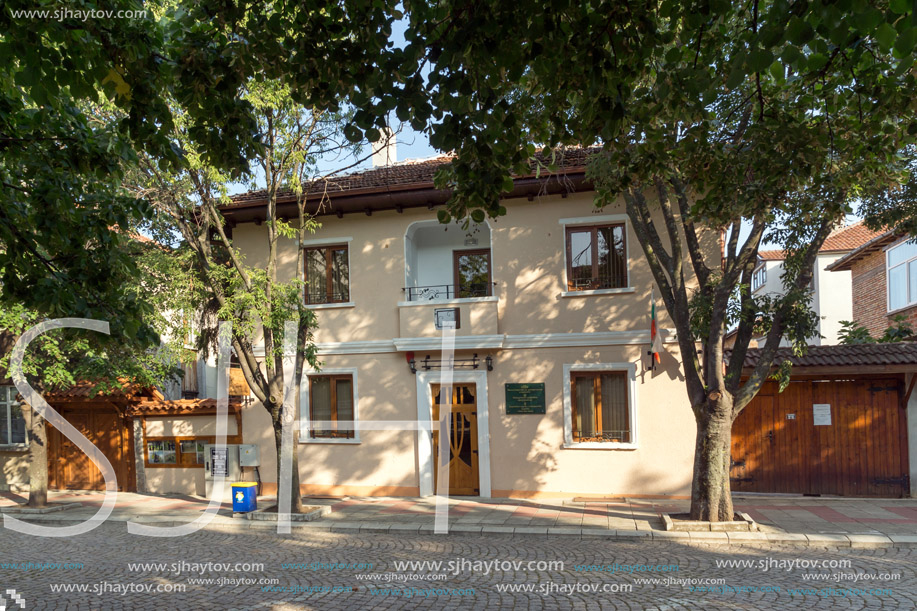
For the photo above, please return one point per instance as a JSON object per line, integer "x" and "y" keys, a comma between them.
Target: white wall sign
{"x": 821, "y": 413}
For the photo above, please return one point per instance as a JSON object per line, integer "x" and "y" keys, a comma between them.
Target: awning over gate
{"x": 856, "y": 359}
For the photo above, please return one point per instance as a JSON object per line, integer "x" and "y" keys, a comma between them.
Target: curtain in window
{"x": 321, "y": 402}
{"x": 614, "y": 408}
{"x": 340, "y": 275}
{"x": 344, "y": 392}
{"x": 17, "y": 433}
{"x": 585, "y": 407}
{"x": 612, "y": 265}
{"x": 315, "y": 276}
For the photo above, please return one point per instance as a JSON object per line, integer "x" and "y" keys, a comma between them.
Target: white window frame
{"x": 631, "y": 369}
{"x": 907, "y": 281}
{"x": 597, "y": 219}
{"x": 317, "y": 243}
{"x": 305, "y": 415}
{"x": 7, "y": 412}
{"x": 759, "y": 272}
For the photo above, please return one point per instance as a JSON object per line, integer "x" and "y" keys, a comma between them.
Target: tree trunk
{"x": 38, "y": 461}
{"x": 711, "y": 497}
{"x": 296, "y": 505}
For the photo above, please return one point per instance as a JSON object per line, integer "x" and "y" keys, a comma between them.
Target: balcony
{"x": 447, "y": 268}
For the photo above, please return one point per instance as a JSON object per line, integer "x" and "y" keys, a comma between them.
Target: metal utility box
{"x": 221, "y": 461}
{"x": 244, "y": 497}
{"x": 249, "y": 456}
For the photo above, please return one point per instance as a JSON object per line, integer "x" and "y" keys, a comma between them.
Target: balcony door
{"x": 472, "y": 273}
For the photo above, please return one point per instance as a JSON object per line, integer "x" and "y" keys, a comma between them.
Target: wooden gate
{"x": 463, "y": 440}
{"x": 823, "y": 437}
{"x": 70, "y": 469}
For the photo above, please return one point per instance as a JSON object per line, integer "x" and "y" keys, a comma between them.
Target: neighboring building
{"x": 831, "y": 301}
{"x": 884, "y": 280}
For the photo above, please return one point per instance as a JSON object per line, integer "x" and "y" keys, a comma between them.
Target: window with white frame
{"x": 327, "y": 274}
{"x": 901, "y": 279}
{"x": 758, "y": 278}
{"x": 12, "y": 422}
{"x": 599, "y": 405}
{"x": 330, "y": 399}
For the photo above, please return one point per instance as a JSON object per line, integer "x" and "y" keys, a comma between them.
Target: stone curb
{"x": 489, "y": 530}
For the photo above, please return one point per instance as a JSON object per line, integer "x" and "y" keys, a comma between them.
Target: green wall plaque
{"x": 525, "y": 398}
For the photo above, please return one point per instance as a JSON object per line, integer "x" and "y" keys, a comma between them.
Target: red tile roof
{"x": 84, "y": 391}
{"x": 183, "y": 407}
{"x": 842, "y": 239}
{"x": 879, "y": 241}
{"x": 859, "y": 355}
{"x": 849, "y": 238}
{"x": 404, "y": 175}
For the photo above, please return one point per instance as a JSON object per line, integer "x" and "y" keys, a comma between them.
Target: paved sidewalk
{"x": 783, "y": 519}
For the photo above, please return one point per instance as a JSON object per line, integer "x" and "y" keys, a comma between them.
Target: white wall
{"x": 430, "y": 246}
{"x": 834, "y": 298}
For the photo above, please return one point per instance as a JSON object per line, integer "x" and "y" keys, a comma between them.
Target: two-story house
{"x": 553, "y": 390}
{"x": 552, "y": 396}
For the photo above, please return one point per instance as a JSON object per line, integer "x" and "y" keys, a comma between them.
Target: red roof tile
{"x": 403, "y": 175}
{"x": 161, "y": 407}
{"x": 879, "y": 241}
{"x": 84, "y": 390}
{"x": 849, "y": 238}
{"x": 859, "y": 355}
{"x": 843, "y": 239}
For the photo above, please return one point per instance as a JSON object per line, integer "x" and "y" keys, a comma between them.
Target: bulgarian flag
{"x": 655, "y": 339}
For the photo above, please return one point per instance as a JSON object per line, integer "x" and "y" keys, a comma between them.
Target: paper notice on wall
{"x": 822, "y": 414}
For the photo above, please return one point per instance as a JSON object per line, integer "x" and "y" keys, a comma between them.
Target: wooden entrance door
{"x": 778, "y": 444}
{"x": 463, "y": 440}
{"x": 70, "y": 469}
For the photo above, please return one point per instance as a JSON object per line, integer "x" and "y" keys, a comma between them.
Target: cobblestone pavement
{"x": 467, "y": 583}
{"x": 790, "y": 514}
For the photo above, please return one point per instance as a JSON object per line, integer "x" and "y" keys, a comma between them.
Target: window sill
{"x": 14, "y": 447}
{"x": 441, "y": 302}
{"x": 627, "y": 289}
{"x": 911, "y": 306}
{"x": 322, "y": 441}
{"x": 329, "y": 306}
{"x": 599, "y": 445}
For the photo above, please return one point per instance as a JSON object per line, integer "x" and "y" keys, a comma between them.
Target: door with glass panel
{"x": 463, "y": 440}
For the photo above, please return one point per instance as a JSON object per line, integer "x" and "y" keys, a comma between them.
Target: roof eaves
{"x": 843, "y": 264}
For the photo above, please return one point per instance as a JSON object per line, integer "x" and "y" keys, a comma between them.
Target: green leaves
{"x": 886, "y": 35}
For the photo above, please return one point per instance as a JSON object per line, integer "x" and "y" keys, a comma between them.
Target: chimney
{"x": 385, "y": 149}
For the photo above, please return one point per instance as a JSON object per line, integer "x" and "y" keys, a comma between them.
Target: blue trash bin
{"x": 244, "y": 497}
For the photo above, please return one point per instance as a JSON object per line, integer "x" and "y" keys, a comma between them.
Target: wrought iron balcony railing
{"x": 446, "y": 291}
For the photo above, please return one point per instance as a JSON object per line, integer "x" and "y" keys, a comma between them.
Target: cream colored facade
{"x": 535, "y": 331}
{"x": 532, "y": 327}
